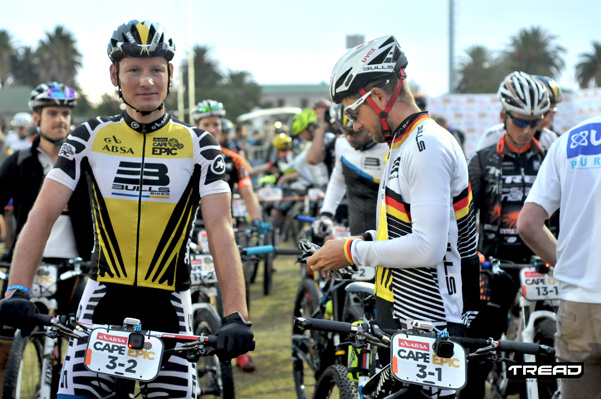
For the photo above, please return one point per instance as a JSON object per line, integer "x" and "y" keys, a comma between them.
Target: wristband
{"x": 19, "y": 287}
{"x": 347, "y": 251}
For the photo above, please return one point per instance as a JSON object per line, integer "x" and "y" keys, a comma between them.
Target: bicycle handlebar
{"x": 325, "y": 325}
{"x": 508, "y": 346}
{"x": 304, "y": 218}
{"x": 47, "y": 320}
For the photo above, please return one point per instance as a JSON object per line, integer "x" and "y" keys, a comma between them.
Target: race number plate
{"x": 239, "y": 208}
{"x": 107, "y": 353}
{"x": 203, "y": 269}
{"x": 414, "y": 361}
{"x": 341, "y": 232}
{"x": 269, "y": 194}
{"x": 365, "y": 273}
{"x": 315, "y": 194}
{"x": 44, "y": 282}
{"x": 537, "y": 286}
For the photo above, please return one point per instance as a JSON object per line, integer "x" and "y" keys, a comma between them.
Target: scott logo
{"x": 557, "y": 370}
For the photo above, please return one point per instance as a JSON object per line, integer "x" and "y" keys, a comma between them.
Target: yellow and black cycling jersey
{"x": 145, "y": 184}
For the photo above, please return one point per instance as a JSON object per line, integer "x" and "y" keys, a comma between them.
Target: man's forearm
{"x": 251, "y": 202}
{"x": 28, "y": 251}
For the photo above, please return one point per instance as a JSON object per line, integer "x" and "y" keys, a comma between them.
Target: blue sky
{"x": 300, "y": 41}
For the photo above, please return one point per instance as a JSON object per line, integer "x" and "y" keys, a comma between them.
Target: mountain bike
{"x": 35, "y": 362}
{"x": 324, "y": 296}
{"x": 536, "y": 323}
{"x": 127, "y": 353}
{"x": 420, "y": 358}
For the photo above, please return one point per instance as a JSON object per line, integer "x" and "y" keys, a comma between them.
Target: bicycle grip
{"x": 261, "y": 249}
{"x": 304, "y": 218}
{"x": 287, "y": 251}
{"x": 526, "y": 347}
{"x": 211, "y": 341}
{"x": 43, "y": 319}
{"x": 324, "y": 325}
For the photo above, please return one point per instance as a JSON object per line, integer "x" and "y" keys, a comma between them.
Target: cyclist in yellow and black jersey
{"x": 146, "y": 175}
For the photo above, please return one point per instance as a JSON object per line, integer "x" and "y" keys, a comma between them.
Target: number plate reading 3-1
{"x": 108, "y": 353}
{"x": 414, "y": 361}
{"x": 537, "y": 286}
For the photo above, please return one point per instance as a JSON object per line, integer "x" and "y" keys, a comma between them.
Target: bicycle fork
{"x": 46, "y": 372}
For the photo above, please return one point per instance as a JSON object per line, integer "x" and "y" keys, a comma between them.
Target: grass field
{"x": 272, "y": 324}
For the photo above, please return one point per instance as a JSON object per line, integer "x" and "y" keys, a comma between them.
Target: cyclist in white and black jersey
{"x": 358, "y": 167}
{"x": 426, "y": 223}
{"x": 146, "y": 174}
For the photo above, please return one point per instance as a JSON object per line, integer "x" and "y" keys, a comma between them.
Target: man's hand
{"x": 261, "y": 227}
{"x": 322, "y": 227}
{"x": 330, "y": 257}
{"x": 234, "y": 337}
{"x": 18, "y": 311}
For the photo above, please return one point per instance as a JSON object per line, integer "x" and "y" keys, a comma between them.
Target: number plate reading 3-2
{"x": 537, "y": 286}
{"x": 414, "y": 361}
{"x": 107, "y": 353}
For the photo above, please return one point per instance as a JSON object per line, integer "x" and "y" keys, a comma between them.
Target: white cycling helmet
{"x": 22, "y": 119}
{"x": 523, "y": 94}
{"x": 365, "y": 63}
{"x": 207, "y": 108}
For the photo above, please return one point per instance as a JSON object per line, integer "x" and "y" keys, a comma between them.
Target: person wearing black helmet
{"x": 147, "y": 175}
{"x": 426, "y": 228}
{"x": 21, "y": 177}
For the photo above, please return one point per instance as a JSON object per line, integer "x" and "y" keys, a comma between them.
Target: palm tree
{"x": 58, "y": 58}
{"x": 6, "y": 49}
{"x": 479, "y": 71}
{"x": 24, "y": 68}
{"x": 588, "y": 71}
{"x": 533, "y": 51}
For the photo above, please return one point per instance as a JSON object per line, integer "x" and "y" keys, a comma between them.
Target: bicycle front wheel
{"x": 24, "y": 367}
{"x": 214, "y": 378}
{"x": 334, "y": 383}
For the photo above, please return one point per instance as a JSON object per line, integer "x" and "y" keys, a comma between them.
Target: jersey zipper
{"x": 140, "y": 202}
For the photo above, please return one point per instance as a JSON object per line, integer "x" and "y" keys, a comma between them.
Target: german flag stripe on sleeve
{"x": 461, "y": 203}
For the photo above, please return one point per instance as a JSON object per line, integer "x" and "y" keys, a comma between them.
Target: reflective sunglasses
{"x": 350, "y": 110}
{"x": 57, "y": 94}
{"x": 522, "y": 123}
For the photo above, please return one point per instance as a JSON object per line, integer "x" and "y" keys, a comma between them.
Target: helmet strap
{"x": 383, "y": 113}
{"x": 57, "y": 143}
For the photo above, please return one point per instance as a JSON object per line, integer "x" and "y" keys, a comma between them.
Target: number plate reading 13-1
{"x": 107, "y": 353}
{"x": 414, "y": 361}
{"x": 537, "y": 286}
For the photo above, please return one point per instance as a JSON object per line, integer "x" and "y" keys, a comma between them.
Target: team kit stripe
{"x": 358, "y": 171}
{"x": 398, "y": 141}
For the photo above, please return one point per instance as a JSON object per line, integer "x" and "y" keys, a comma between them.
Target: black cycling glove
{"x": 234, "y": 337}
{"x": 18, "y": 311}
